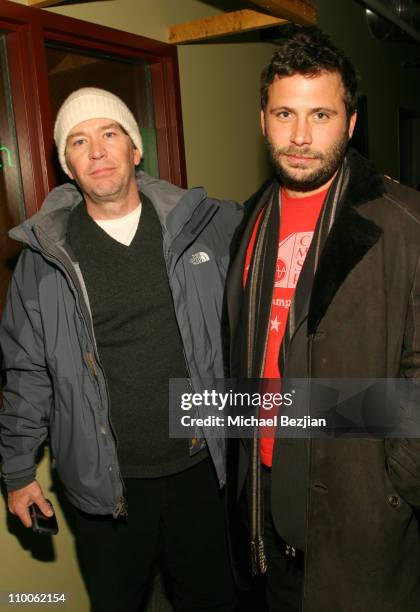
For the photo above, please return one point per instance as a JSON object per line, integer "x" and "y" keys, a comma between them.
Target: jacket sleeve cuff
{"x": 18, "y": 480}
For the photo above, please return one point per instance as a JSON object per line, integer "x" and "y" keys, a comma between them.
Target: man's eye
{"x": 321, "y": 116}
{"x": 109, "y": 135}
{"x": 78, "y": 142}
{"x": 283, "y": 115}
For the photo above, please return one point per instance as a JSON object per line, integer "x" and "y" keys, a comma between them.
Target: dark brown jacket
{"x": 362, "y": 537}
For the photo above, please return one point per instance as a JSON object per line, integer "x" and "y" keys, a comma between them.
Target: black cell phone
{"x": 45, "y": 525}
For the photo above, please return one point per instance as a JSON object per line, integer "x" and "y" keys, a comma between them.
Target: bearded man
{"x": 325, "y": 284}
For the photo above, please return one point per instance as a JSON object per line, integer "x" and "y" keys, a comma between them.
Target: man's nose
{"x": 97, "y": 148}
{"x": 301, "y": 133}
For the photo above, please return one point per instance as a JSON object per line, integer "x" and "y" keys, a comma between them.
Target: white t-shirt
{"x": 122, "y": 229}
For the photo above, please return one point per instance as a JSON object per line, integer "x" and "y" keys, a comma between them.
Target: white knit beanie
{"x": 92, "y": 103}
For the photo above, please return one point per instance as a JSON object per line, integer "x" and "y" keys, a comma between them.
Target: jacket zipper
{"x": 121, "y": 507}
{"x": 92, "y": 360}
{"x": 187, "y": 366}
{"x": 91, "y": 363}
{"x": 305, "y": 569}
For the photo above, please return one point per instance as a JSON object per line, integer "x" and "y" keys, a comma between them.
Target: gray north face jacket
{"x": 54, "y": 382}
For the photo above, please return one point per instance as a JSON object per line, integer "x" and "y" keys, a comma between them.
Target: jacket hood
{"x": 54, "y": 213}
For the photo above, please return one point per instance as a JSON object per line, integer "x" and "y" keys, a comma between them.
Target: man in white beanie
{"x": 119, "y": 290}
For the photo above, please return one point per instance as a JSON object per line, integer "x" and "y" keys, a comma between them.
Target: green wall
{"x": 34, "y": 564}
{"x": 386, "y": 85}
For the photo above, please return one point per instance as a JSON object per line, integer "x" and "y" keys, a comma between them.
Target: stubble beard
{"x": 330, "y": 163}
{"x": 106, "y": 191}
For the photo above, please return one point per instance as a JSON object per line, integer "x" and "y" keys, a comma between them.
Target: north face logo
{"x": 199, "y": 258}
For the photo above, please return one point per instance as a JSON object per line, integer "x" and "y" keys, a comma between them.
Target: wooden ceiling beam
{"x": 45, "y": 3}
{"x": 298, "y": 11}
{"x": 222, "y": 25}
{"x": 42, "y": 3}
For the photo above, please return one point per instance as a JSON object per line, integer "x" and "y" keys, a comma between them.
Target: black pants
{"x": 284, "y": 578}
{"x": 178, "y": 518}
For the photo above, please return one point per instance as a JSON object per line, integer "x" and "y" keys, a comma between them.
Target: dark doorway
{"x": 409, "y": 145}
{"x": 360, "y": 139}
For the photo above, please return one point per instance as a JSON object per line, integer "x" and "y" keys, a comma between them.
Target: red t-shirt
{"x": 299, "y": 217}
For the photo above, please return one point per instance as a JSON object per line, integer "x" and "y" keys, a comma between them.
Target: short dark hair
{"x": 309, "y": 51}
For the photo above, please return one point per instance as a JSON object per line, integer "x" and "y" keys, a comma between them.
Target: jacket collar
{"x": 351, "y": 236}
{"x": 53, "y": 216}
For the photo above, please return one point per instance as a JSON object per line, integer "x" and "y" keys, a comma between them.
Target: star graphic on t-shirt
{"x": 275, "y": 324}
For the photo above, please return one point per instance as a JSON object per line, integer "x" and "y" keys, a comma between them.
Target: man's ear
{"x": 262, "y": 119}
{"x": 69, "y": 172}
{"x": 352, "y": 123}
{"x": 136, "y": 156}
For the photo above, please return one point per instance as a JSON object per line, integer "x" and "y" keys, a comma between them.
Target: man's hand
{"x": 20, "y": 500}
